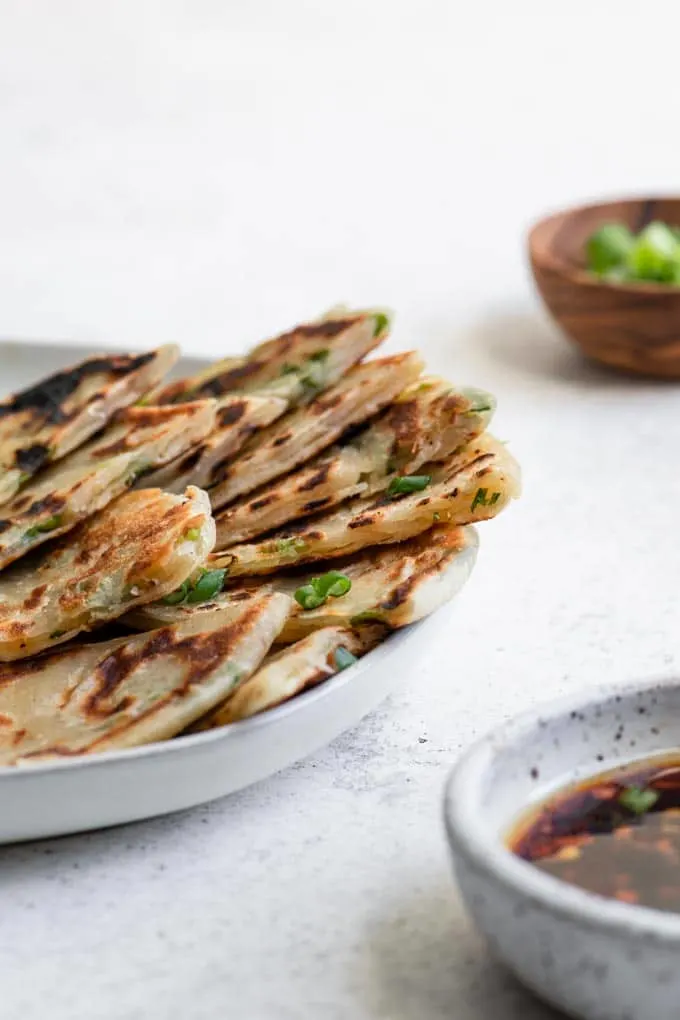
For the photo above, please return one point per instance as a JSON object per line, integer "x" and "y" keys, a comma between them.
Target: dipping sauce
{"x": 617, "y": 835}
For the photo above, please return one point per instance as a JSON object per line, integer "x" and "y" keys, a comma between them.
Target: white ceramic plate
{"x": 123, "y": 786}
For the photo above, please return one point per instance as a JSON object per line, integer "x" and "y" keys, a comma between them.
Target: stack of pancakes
{"x": 247, "y": 532}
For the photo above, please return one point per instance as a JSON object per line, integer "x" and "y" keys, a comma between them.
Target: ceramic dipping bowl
{"x": 593, "y": 957}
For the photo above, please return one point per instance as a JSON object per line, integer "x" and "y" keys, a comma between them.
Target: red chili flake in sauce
{"x": 616, "y": 835}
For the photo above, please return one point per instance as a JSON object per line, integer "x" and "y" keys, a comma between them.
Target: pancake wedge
{"x": 391, "y": 586}
{"x": 296, "y": 366}
{"x": 238, "y": 417}
{"x": 42, "y": 424}
{"x": 287, "y": 673}
{"x": 428, "y": 421}
{"x": 90, "y": 478}
{"x": 139, "y": 548}
{"x": 394, "y": 585}
{"x": 301, "y": 434}
{"x": 471, "y": 485}
{"x": 132, "y": 690}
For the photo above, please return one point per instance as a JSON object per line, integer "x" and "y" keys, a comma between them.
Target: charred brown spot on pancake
{"x": 4, "y": 525}
{"x": 12, "y": 629}
{"x": 241, "y": 596}
{"x": 281, "y": 345}
{"x": 404, "y": 419}
{"x": 220, "y": 468}
{"x": 14, "y": 672}
{"x": 19, "y": 504}
{"x": 18, "y": 736}
{"x": 35, "y": 598}
{"x": 362, "y": 522}
{"x": 424, "y": 501}
{"x": 484, "y": 471}
{"x": 292, "y": 528}
{"x": 326, "y": 330}
{"x": 118, "y": 446}
{"x": 316, "y": 504}
{"x": 231, "y": 414}
{"x": 400, "y": 594}
{"x": 482, "y": 458}
{"x": 263, "y": 501}
{"x": 6, "y": 720}
{"x": 192, "y": 459}
{"x": 46, "y": 400}
{"x": 232, "y": 379}
{"x": 200, "y": 655}
{"x": 322, "y": 404}
{"x": 49, "y": 505}
{"x": 32, "y": 458}
{"x": 83, "y": 556}
{"x": 453, "y": 404}
{"x": 318, "y": 478}
{"x": 284, "y": 438}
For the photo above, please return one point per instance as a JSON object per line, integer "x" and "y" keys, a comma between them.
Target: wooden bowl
{"x": 635, "y": 327}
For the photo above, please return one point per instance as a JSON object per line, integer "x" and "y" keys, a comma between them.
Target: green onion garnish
{"x": 609, "y": 247}
{"x": 178, "y": 596}
{"x": 344, "y": 658}
{"x": 45, "y": 526}
{"x": 317, "y": 591}
{"x": 192, "y": 535}
{"x": 638, "y": 799}
{"x": 482, "y": 498}
{"x": 408, "y": 483}
{"x": 207, "y": 586}
{"x": 289, "y": 546}
{"x": 382, "y": 323}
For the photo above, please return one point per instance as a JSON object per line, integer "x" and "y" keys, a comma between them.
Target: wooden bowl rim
{"x": 549, "y": 259}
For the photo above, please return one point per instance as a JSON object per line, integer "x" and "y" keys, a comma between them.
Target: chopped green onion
{"x": 308, "y": 597}
{"x": 638, "y": 799}
{"x": 382, "y": 323}
{"x": 315, "y": 593}
{"x": 436, "y": 516}
{"x": 334, "y": 583}
{"x": 207, "y": 586}
{"x": 319, "y": 355}
{"x": 609, "y": 246}
{"x": 289, "y": 546}
{"x": 654, "y": 253}
{"x": 192, "y": 535}
{"x": 51, "y": 524}
{"x": 56, "y": 634}
{"x": 287, "y": 369}
{"x": 408, "y": 483}
{"x": 368, "y": 616}
{"x": 344, "y": 658}
{"x": 178, "y": 596}
{"x": 482, "y": 498}
{"x": 136, "y": 473}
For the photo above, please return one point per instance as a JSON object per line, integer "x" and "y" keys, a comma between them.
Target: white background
{"x": 212, "y": 173}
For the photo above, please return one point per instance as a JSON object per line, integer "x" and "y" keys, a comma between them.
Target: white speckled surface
{"x": 211, "y": 172}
